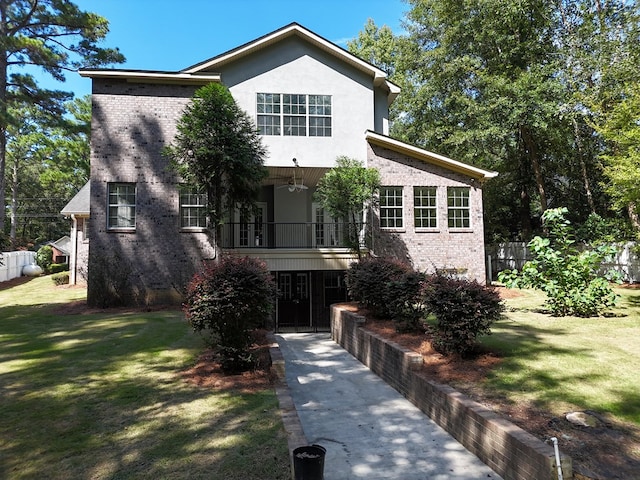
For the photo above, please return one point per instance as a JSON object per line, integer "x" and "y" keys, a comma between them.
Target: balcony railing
{"x": 285, "y": 235}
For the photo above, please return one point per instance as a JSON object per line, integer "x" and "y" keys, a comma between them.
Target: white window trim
{"x": 181, "y": 207}
{"x": 281, "y": 115}
{"x": 436, "y": 228}
{"x": 403, "y": 217}
{"x": 467, "y": 208}
{"x": 120, "y": 228}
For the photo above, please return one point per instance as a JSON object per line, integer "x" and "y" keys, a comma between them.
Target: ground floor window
{"x": 458, "y": 208}
{"x": 122, "y": 206}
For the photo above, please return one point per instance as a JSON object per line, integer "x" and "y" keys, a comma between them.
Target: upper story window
{"x": 122, "y": 206}
{"x": 295, "y": 115}
{"x": 425, "y": 207}
{"x": 192, "y": 207}
{"x": 458, "y": 209}
{"x": 391, "y": 207}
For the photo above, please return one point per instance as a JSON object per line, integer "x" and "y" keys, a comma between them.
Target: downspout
{"x": 74, "y": 250}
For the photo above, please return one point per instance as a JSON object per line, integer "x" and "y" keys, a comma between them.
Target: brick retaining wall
{"x": 512, "y": 452}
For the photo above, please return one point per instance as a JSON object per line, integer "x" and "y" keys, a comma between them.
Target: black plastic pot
{"x": 308, "y": 462}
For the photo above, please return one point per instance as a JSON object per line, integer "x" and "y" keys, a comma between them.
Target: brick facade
{"x": 131, "y": 125}
{"x": 460, "y": 252}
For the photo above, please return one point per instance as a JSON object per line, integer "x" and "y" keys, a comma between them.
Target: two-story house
{"x": 312, "y": 101}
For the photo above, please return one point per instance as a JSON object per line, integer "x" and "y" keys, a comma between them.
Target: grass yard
{"x": 100, "y": 396}
{"x": 562, "y": 364}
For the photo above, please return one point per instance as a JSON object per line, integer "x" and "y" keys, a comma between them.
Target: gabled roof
{"x": 427, "y": 156}
{"x": 203, "y": 72}
{"x": 79, "y": 204}
{"x": 63, "y": 244}
{"x": 295, "y": 29}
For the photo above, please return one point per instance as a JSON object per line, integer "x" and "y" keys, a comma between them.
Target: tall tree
{"x": 54, "y": 35}
{"x": 47, "y": 163}
{"x": 621, "y": 130}
{"x": 218, "y": 149}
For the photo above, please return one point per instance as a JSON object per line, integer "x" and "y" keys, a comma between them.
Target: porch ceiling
{"x": 282, "y": 175}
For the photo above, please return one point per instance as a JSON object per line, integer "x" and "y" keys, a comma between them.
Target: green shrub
{"x": 227, "y": 299}
{"x": 58, "y": 267}
{"x": 61, "y": 278}
{"x": 404, "y": 301}
{"x": 463, "y": 310}
{"x": 569, "y": 276}
{"x": 44, "y": 257}
{"x": 367, "y": 283}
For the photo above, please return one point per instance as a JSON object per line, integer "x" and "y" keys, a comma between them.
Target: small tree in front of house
{"x": 218, "y": 150}
{"x": 347, "y": 191}
{"x": 226, "y": 300}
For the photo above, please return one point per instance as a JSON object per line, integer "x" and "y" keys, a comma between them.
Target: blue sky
{"x": 173, "y": 34}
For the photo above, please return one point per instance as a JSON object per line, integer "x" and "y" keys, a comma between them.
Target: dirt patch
{"x": 610, "y": 451}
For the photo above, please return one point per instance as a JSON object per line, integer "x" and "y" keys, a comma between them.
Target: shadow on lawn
{"x": 100, "y": 396}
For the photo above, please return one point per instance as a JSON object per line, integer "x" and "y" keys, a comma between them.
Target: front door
{"x": 294, "y": 302}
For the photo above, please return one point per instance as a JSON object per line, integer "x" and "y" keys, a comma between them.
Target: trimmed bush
{"x": 58, "y": 267}
{"x": 227, "y": 299}
{"x": 367, "y": 283}
{"x": 463, "y": 310}
{"x": 60, "y": 278}
{"x": 404, "y": 301}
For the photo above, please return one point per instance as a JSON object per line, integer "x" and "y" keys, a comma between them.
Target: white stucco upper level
{"x": 294, "y": 61}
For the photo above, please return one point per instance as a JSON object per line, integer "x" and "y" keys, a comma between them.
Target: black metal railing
{"x": 305, "y": 235}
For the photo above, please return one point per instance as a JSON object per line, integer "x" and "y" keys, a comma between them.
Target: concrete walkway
{"x": 369, "y": 430}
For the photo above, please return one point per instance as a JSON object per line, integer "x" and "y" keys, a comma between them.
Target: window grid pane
{"x": 319, "y": 115}
{"x": 425, "y": 208}
{"x": 122, "y": 205}
{"x": 269, "y": 108}
{"x": 458, "y": 207}
{"x": 391, "y": 215}
{"x": 192, "y": 207}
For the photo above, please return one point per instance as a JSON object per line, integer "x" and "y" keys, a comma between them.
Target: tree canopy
{"x": 517, "y": 87}
{"x": 52, "y": 35}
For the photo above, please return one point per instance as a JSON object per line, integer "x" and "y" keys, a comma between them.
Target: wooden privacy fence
{"x": 512, "y": 255}
{"x": 13, "y": 262}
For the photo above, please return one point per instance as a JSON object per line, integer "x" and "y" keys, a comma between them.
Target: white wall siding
{"x": 301, "y": 69}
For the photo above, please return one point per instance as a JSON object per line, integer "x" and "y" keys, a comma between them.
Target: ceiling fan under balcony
{"x": 293, "y": 185}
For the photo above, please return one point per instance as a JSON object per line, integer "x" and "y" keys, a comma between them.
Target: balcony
{"x": 270, "y": 235}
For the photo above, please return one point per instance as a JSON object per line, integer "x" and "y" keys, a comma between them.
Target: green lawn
{"x": 568, "y": 363}
{"x": 99, "y": 396}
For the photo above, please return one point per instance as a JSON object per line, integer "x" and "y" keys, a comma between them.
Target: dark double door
{"x": 304, "y": 299}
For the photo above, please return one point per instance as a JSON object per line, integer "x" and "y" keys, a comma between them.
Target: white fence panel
{"x": 13, "y": 262}
{"x": 514, "y": 255}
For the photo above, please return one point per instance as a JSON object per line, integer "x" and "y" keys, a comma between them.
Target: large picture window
{"x": 391, "y": 207}
{"x": 295, "y": 115}
{"x": 193, "y": 205}
{"x": 122, "y": 206}
{"x": 425, "y": 207}
{"x": 458, "y": 209}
